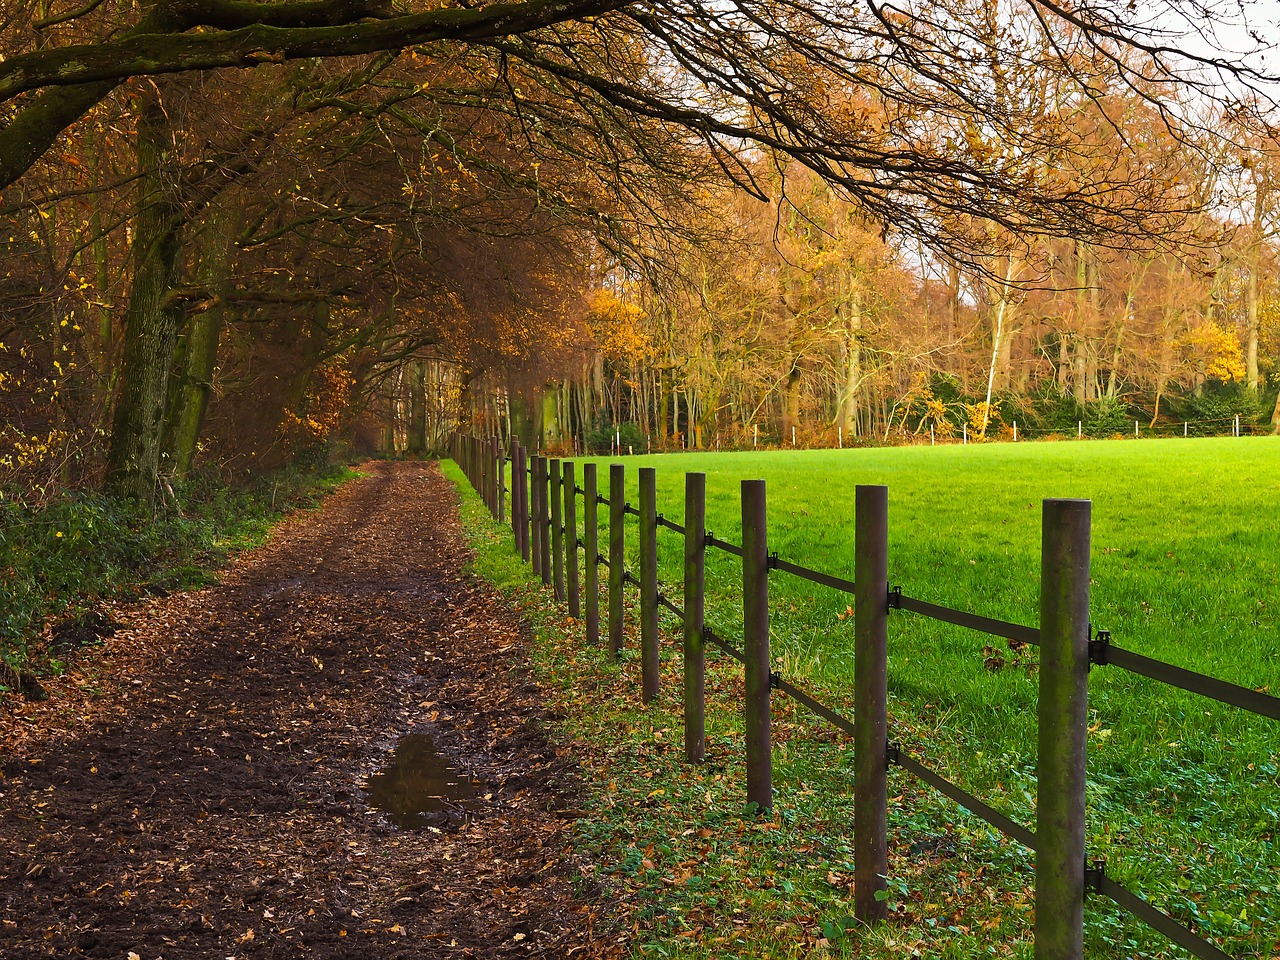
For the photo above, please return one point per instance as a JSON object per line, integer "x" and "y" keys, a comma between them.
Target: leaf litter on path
{"x": 200, "y": 788}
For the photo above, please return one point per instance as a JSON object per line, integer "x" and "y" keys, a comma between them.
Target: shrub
{"x": 600, "y": 438}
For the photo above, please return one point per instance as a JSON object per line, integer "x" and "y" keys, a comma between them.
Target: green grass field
{"x": 1183, "y": 792}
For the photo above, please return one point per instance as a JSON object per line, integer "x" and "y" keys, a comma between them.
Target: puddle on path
{"x": 419, "y": 788}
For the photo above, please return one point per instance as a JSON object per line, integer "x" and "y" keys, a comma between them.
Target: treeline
{"x": 802, "y": 321}
{"x": 569, "y": 221}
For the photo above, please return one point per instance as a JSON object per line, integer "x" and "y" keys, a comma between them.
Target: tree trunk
{"x": 998, "y": 374}
{"x": 852, "y": 373}
{"x": 1251, "y": 304}
{"x": 197, "y": 354}
{"x": 417, "y": 408}
{"x": 790, "y": 404}
{"x": 152, "y": 322}
{"x": 191, "y": 388}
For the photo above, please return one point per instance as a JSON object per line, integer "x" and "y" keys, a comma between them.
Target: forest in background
{"x": 796, "y": 223}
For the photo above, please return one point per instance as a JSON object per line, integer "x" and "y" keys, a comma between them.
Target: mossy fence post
{"x": 571, "y": 538}
{"x": 591, "y": 533}
{"x": 617, "y": 553}
{"x": 499, "y": 469}
{"x": 520, "y": 499}
{"x": 515, "y": 496}
{"x": 755, "y": 641}
{"x": 535, "y": 513}
{"x": 1063, "y": 721}
{"x": 544, "y": 523}
{"x": 649, "y": 584}
{"x": 557, "y": 527}
{"x": 870, "y": 695}
{"x": 695, "y": 521}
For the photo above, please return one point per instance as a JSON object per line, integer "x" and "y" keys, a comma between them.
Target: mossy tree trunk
{"x": 153, "y": 320}
{"x": 191, "y": 384}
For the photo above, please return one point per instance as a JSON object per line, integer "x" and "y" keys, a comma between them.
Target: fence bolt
{"x": 617, "y": 557}
{"x": 649, "y": 584}
{"x": 755, "y": 636}
{"x": 870, "y": 695}
{"x": 695, "y": 516}
{"x": 1063, "y": 719}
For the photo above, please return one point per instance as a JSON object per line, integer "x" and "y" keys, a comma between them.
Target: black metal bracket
{"x": 577, "y": 489}
{"x": 708, "y": 538}
{"x": 771, "y": 562}
{"x": 1098, "y": 646}
{"x": 775, "y": 680}
{"x": 892, "y": 754}
{"x": 601, "y": 558}
{"x": 600, "y": 498}
{"x": 895, "y": 598}
{"x": 1094, "y": 871}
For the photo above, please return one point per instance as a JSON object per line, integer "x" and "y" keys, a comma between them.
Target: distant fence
{"x": 543, "y": 515}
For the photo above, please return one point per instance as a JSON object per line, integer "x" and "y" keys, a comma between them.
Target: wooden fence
{"x": 543, "y": 498}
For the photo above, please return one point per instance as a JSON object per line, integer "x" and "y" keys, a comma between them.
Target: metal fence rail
{"x": 1254, "y": 701}
{"x": 813, "y": 576}
{"x": 973, "y": 621}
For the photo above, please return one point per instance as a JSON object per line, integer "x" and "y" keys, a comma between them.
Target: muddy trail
{"x": 206, "y": 795}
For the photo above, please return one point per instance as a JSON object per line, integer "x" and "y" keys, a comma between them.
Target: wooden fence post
{"x": 526, "y": 502}
{"x": 557, "y": 527}
{"x": 537, "y": 485}
{"x": 649, "y": 584}
{"x": 571, "y": 539}
{"x": 520, "y": 499}
{"x": 1063, "y": 719}
{"x": 870, "y": 695}
{"x": 486, "y": 475}
{"x": 755, "y": 640}
{"x": 493, "y": 453}
{"x": 514, "y": 516}
{"x": 544, "y": 523}
{"x": 501, "y": 481}
{"x": 591, "y": 534}
{"x": 695, "y": 522}
{"x": 617, "y": 553}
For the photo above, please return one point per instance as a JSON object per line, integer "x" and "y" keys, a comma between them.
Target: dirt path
{"x": 209, "y": 803}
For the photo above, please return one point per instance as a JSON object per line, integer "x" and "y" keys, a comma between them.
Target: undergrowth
{"x": 58, "y": 558}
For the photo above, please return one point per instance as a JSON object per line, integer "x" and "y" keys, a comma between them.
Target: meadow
{"x": 1183, "y": 792}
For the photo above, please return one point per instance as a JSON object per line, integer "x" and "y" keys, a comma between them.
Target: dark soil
{"x": 200, "y": 792}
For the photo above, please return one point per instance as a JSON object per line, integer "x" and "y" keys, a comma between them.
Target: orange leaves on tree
{"x": 1215, "y": 352}
{"x": 619, "y": 329}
